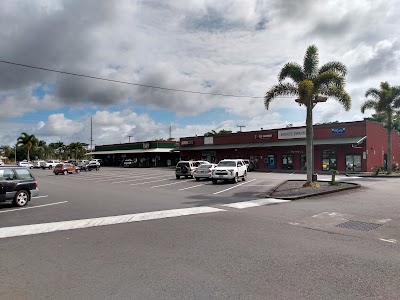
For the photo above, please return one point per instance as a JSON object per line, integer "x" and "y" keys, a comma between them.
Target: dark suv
{"x": 17, "y": 185}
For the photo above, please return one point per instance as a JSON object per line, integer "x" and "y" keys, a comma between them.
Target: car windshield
{"x": 228, "y": 163}
{"x": 181, "y": 164}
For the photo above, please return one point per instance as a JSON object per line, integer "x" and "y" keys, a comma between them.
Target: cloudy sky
{"x": 228, "y": 47}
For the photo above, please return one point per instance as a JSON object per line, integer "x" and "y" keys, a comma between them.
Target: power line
{"x": 132, "y": 83}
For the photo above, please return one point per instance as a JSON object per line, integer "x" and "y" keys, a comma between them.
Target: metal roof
{"x": 155, "y": 150}
{"x": 294, "y": 142}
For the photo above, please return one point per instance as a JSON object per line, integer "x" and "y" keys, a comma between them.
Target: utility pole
{"x": 240, "y": 127}
{"x": 129, "y": 137}
{"x": 91, "y": 134}
{"x": 170, "y": 132}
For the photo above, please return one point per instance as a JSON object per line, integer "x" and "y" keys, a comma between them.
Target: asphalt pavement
{"x": 141, "y": 234}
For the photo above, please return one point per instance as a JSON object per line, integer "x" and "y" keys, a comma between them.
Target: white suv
{"x": 229, "y": 170}
{"x": 50, "y": 164}
{"x": 187, "y": 167}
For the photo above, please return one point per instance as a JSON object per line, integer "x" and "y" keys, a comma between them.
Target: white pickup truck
{"x": 50, "y": 164}
{"x": 229, "y": 170}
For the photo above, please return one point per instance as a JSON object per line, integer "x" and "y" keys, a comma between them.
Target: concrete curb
{"x": 372, "y": 175}
{"x": 270, "y": 195}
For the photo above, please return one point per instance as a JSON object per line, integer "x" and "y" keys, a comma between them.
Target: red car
{"x": 65, "y": 169}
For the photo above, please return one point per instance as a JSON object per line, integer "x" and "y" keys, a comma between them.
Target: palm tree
{"x": 76, "y": 148}
{"x": 385, "y": 101}
{"x": 28, "y": 141}
{"x": 213, "y": 132}
{"x": 311, "y": 85}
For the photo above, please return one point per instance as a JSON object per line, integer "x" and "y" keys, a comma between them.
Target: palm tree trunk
{"x": 309, "y": 140}
{"x": 28, "y": 153}
{"x": 389, "y": 155}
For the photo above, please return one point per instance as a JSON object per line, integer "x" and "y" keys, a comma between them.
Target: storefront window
{"x": 287, "y": 161}
{"x": 329, "y": 160}
{"x": 353, "y": 163}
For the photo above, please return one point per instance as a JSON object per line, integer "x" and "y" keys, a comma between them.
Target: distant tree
{"x": 382, "y": 118}
{"x": 28, "y": 141}
{"x": 289, "y": 125}
{"x": 385, "y": 102}
{"x": 309, "y": 83}
{"x": 213, "y": 132}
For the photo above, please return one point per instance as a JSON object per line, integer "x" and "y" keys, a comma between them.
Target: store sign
{"x": 146, "y": 145}
{"x": 183, "y": 143}
{"x": 292, "y": 134}
{"x": 338, "y": 131}
{"x": 263, "y": 136}
{"x": 209, "y": 140}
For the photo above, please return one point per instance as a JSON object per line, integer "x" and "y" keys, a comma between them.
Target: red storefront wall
{"x": 376, "y": 140}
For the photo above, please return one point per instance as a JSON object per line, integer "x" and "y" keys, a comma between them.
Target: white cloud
{"x": 231, "y": 47}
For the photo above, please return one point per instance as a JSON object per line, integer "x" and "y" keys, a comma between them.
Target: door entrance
{"x": 353, "y": 163}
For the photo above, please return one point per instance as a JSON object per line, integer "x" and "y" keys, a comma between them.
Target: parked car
{"x": 50, "y": 164}
{"x": 89, "y": 166}
{"x": 98, "y": 160}
{"x": 17, "y": 185}
{"x": 249, "y": 164}
{"x": 229, "y": 170}
{"x": 129, "y": 163}
{"x": 186, "y": 168}
{"x": 65, "y": 169}
{"x": 1, "y": 163}
{"x": 26, "y": 164}
{"x": 38, "y": 163}
{"x": 204, "y": 171}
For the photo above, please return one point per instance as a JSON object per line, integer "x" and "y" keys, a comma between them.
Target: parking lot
{"x": 198, "y": 240}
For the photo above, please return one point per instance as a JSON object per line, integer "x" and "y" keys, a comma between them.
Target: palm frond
{"x": 281, "y": 89}
{"x": 369, "y": 104}
{"x": 338, "y": 94}
{"x": 310, "y": 65}
{"x": 328, "y": 78}
{"x": 374, "y": 93}
{"x": 293, "y": 71}
{"x": 335, "y": 66}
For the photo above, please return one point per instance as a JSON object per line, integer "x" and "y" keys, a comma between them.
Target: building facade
{"x": 351, "y": 146}
{"x": 144, "y": 154}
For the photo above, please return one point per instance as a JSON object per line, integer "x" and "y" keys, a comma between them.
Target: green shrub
{"x": 377, "y": 170}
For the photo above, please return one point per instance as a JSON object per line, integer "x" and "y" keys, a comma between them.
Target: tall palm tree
{"x": 311, "y": 85}
{"x": 76, "y": 148}
{"x": 385, "y": 101}
{"x": 28, "y": 141}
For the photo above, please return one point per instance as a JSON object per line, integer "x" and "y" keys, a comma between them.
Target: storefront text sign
{"x": 263, "y": 136}
{"x": 187, "y": 143}
{"x": 338, "y": 131}
{"x": 292, "y": 134}
{"x": 209, "y": 140}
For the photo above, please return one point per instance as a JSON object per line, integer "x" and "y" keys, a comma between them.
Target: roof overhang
{"x": 133, "y": 151}
{"x": 294, "y": 142}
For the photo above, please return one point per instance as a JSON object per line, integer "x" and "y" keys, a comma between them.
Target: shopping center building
{"x": 350, "y": 146}
{"x": 144, "y": 154}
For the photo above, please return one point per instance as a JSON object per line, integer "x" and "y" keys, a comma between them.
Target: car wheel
{"x": 214, "y": 181}
{"x": 244, "y": 176}
{"x": 197, "y": 179}
{"x": 236, "y": 179}
{"x": 55, "y": 173}
{"x": 97, "y": 168}
{"x": 65, "y": 172}
{"x": 50, "y": 167}
{"x": 78, "y": 171}
{"x": 177, "y": 176}
{"x": 21, "y": 198}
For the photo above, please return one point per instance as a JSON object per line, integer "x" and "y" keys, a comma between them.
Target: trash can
{"x": 315, "y": 177}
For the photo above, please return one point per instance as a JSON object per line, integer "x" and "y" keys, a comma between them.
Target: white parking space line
{"x": 234, "y": 187}
{"x": 18, "y": 209}
{"x": 136, "y": 179}
{"x": 255, "y": 203}
{"x": 127, "y": 176}
{"x": 191, "y": 187}
{"x": 156, "y": 186}
{"x": 94, "y": 222}
{"x": 151, "y": 181}
{"x": 37, "y": 197}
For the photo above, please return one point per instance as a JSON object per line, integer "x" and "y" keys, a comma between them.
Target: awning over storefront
{"x": 133, "y": 151}
{"x": 336, "y": 141}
